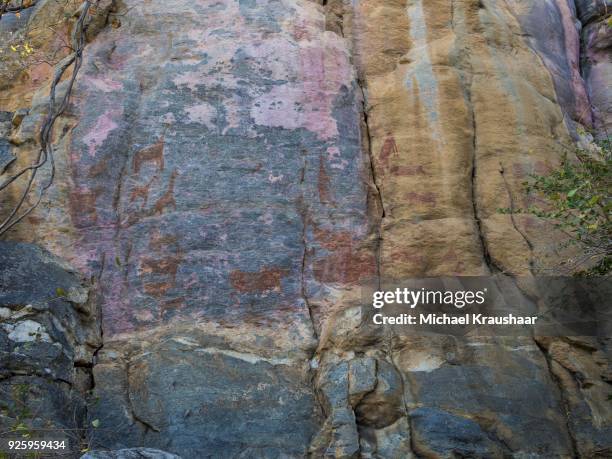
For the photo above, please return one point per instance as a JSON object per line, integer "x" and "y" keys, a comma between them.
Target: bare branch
{"x": 55, "y": 110}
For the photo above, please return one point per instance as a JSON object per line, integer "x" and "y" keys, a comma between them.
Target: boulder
{"x": 49, "y": 332}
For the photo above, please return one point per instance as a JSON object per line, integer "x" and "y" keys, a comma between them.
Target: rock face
{"x": 49, "y": 331}
{"x": 232, "y": 174}
{"x": 190, "y": 392}
{"x": 132, "y": 453}
{"x": 597, "y": 68}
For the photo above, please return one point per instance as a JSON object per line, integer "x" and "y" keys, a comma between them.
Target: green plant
{"x": 577, "y": 200}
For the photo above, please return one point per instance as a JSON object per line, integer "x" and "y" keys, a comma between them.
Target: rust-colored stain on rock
{"x": 324, "y": 183}
{"x": 345, "y": 266}
{"x": 153, "y": 153}
{"x": 166, "y": 265}
{"x": 268, "y": 279}
{"x": 167, "y": 199}
{"x": 83, "y": 207}
{"x": 99, "y": 169}
{"x": 172, "y": 306}
{"x": 427, "y": 198}
{"x": 388, "y": 149}
{"x": 159, "y": 241}
{"x": 157, "y": 289}
{"x": 142, "y": 192}
{"x": 347, "y": 263}
{"x": 408, "y": 170}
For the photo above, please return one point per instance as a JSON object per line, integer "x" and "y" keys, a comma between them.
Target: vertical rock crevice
{"x": 491, "y": 265}
{"x": 512, "y": 209}
{"x": 404, "y": 386}
{"x": 303, "y": 211}
{"x": 377, "y": 207}
{"x": 561, "y": 390}
{"x": 148, "y": 426}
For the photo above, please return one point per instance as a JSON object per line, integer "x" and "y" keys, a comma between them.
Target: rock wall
{"x": 233, "y": 173}
{"x": 49, "y": 332}
{"x": 596, "y": 67}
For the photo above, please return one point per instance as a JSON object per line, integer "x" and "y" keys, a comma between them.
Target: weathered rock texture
{"x": 596, "y": 65}
{"x": 232, "y": 173}
{"x": 49, "y": 332}
{"x": 132, "y": 453}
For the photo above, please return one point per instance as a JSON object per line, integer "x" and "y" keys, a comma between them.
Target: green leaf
{"x": 576, "y": 200}
{"x": 594, "y": 200}
{"x": 95, "y": 423}
{"x": 60, "y": 291}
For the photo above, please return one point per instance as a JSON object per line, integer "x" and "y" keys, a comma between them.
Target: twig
{"x": 45, "y": 153}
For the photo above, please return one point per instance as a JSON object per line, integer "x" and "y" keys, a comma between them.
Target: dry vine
{"x": 55, "y": 110}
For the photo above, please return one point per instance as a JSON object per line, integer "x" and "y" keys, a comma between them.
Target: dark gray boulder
{"x": 49, "y": 332}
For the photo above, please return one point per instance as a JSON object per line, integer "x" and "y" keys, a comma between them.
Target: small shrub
{"x": 579, "y": 203}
